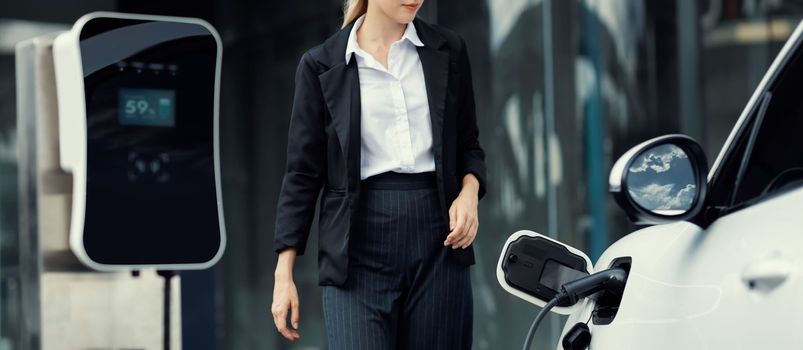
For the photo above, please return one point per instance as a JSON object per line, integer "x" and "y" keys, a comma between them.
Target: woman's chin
{"x": 404, "y": 18}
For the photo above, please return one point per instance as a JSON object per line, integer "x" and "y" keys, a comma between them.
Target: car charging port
{"x": 610, "y": 281}
{"x": 607, "y": 304}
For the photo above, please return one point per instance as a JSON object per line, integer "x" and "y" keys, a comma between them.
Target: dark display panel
{"x": 150, "y": 90}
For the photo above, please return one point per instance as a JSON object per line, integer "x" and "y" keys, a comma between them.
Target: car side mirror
{"x": 533, "y": 267}
{"x": 661, "y": 180}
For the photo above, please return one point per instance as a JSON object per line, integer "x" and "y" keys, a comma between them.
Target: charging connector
{"x": 608, "y": 281}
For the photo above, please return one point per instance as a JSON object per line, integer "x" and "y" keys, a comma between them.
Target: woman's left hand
{"x": 463, "y": 220}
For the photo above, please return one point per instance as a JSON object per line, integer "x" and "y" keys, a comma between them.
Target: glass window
{"x": 776, "y": 160}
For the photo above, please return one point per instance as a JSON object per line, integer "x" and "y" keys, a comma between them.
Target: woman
{"x": 383, "y": 120}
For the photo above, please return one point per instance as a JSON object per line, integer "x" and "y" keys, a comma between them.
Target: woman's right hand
{"x": 285, "y": 296}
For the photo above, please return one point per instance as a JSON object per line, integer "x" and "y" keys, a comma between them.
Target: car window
{"x": 776, "y": 160}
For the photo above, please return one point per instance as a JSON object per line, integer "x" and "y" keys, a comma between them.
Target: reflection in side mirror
{"x": 661, "y": 180}
{"x": 534, "y": 267}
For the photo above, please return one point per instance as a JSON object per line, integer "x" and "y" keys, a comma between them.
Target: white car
{"x": 723, "y": 267}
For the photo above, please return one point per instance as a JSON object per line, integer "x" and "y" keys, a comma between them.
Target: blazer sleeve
{"x": 306, "y": 161}
{"x": 471, "y": 158}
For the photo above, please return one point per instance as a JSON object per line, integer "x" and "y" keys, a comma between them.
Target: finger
{"x": 448, "y": 239}
{"x": 456, "y": 233}
{"x": 452, "y": 221}
{"x": 465, "y": 238}
{"x": 472, "y": 233}
{"x": 294, "y": 313}
{"x": 290, "y": 334}
{"x": 279, "y": 318}
{"x": 459, "y": 230}
{"x": 281, "y": 325}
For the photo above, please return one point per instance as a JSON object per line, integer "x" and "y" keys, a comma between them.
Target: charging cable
{"x": 609, "y": 281}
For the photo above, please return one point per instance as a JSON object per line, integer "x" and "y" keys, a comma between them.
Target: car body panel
{"x": 689, "y": 288}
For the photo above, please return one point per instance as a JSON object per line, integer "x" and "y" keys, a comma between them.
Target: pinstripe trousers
{"x": 402, "y": 290}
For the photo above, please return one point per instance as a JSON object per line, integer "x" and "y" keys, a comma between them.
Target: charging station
{"x": 119, "y": 177}
{"x": 138, "y": 116}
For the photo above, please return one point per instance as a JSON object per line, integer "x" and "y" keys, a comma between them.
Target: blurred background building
{"x": 562, "y": 87}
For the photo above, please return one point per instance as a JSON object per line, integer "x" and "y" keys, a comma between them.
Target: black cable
{"x": 544, "y": 311}
{"x": 168, "y": 275}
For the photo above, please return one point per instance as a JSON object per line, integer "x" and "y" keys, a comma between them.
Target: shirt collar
{"x": 409, "y": 33}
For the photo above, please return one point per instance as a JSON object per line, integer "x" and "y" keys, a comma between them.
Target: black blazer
{"x": 323, "y": 148}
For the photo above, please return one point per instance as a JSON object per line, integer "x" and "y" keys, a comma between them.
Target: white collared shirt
{"x": 396, "y": 131}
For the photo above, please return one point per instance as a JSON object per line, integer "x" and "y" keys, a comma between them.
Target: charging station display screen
{"x": 147, "y": 107}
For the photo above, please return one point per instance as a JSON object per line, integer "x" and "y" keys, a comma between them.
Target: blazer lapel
{"x": 340, "y": 86}
{"x": 435, "y": 63}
